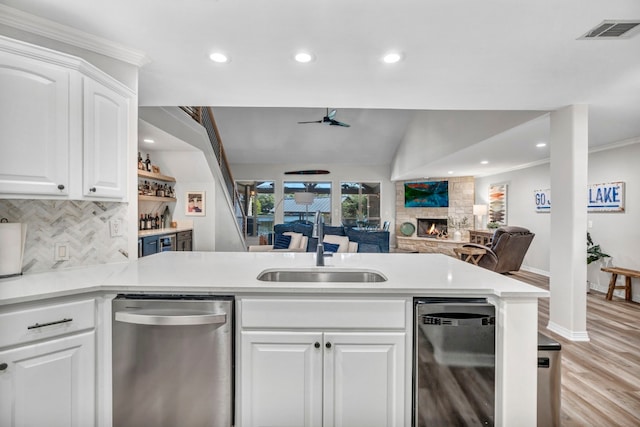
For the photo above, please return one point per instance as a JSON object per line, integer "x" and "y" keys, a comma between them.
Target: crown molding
{"x": 43, "y": 27}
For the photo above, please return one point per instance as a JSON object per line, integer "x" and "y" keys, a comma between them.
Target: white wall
{"x": 192, "y": 173}
{"x": 198, "y": 170}
{"x": 617, "y": 233}
{"x": 338, "y": 174}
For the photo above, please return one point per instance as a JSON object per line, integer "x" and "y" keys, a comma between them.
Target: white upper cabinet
{"x": 105, "y": 141}
{"x": 34, "y": 127}
{"x": 64, "y": 126}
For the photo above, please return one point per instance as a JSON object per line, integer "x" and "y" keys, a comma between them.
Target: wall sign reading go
{"x": 543, "y": 200}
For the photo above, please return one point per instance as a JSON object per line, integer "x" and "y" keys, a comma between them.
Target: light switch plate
{"x": 61, "y": 251}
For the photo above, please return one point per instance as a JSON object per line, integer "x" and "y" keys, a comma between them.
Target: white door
{"x": 364, "y": 379}
{"x": 105, "y": 141}
{"x": 281, "y": 379}
{"x": 52, "y": 383}
{"x": 34, "y": 127}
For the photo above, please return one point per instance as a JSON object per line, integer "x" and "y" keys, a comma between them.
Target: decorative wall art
{"x": 195, "y": 205}
{"x": 607, "y": 197}
{"x": 428, "y": 194}
{"x": 498, "y": 203}
{"x": 543, "y": 200}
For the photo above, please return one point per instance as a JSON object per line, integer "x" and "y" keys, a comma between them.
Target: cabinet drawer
{"x": 378, "y": 314}
{"x": 46, "y": 321}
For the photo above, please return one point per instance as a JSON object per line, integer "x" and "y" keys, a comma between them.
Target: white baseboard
{"x": 535, "y": 270}
{"x": 568, "y": 334}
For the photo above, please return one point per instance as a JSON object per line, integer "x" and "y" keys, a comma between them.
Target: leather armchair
{"x": 507, "y": 250}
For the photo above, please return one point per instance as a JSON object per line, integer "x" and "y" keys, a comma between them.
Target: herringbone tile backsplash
{"x": 82, "y": 225}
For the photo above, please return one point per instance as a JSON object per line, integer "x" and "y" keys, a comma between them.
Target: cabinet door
{"x": 150, "y": 245}
{"x": 51, "y": 383}
{"x": 364, "y": 379}
{"x": 281, "y": 379}
{"x": 105, "y": 135}
{"x": 34, "y": 127}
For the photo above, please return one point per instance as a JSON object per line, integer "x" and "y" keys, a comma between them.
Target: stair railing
{"x": 204, "y": 116}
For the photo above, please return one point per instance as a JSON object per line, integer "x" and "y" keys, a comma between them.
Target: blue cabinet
{"x": 150, "y": 245}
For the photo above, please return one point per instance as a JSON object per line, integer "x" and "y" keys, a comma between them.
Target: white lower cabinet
{"x": 282, "y": 379}
{"x": 332, "y": 376}
{"x": 52, "y": 383}
{"x": 47, "y": 366}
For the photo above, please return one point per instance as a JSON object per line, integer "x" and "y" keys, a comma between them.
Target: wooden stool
{"x": 472, "y": 254}
{"x": 627, "y": 273}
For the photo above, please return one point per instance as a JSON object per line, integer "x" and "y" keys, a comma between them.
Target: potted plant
{"x": 458, "y": 225}
{"x": 594, "y": 254}
{"x": 492, "y": 225}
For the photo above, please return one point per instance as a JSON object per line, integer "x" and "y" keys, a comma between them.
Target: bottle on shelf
{"x": 141, "y": 165}
{"x": 166, "y": 217}
{"x": 141, "y": 222}
{"x": 156, "y": 219}
{"x": 148, "y": 163}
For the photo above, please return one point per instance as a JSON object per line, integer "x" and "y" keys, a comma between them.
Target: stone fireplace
{"x": 461, "y": 200}
{"x": 433, "y": 228}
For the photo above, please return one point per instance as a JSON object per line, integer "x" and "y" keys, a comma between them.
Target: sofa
{"x": 347, "y": 239}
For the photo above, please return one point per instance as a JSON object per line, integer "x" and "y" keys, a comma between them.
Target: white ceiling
{"x": 458, "y": 55}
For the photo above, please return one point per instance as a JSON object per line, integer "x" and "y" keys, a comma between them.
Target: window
{"x": 258, "y": 203}
{"x": 295, "y": 210}
{"x": 360, "y": 204}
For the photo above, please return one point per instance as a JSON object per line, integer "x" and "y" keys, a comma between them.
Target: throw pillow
{"x": 281, "y": 241}
{"x": 296, "y": 239}
{"x": 343, "y": 241}
{"x": 330, "y": 247}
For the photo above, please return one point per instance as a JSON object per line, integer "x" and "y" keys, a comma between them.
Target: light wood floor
{"x": 600, "y": 378}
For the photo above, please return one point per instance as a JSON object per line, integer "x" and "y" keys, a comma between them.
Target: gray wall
{"x": 618, "y": 233}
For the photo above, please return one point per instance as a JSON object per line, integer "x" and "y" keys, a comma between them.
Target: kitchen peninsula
{"x": 293, "y": 309}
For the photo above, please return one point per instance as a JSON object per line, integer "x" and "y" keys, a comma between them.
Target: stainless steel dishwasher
{"x": 173, "y": 361}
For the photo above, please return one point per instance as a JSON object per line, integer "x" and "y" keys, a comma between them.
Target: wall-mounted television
{"x": 426, "y": 194}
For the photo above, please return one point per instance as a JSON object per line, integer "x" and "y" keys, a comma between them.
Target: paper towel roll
{"x": 12, "y": 238}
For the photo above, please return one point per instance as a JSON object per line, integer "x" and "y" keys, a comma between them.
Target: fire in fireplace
{"x": 432, "y": 227}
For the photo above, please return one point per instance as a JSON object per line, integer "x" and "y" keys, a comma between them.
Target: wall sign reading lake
{"x": 608, "y": 197}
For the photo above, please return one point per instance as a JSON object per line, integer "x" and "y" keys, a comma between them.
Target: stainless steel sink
{"x": 321, "y": 275}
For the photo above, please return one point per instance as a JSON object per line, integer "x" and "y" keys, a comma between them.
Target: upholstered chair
{"x": 507, "y": 250}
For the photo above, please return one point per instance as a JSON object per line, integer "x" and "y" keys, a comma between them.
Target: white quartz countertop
{"x": 236, "y": 273}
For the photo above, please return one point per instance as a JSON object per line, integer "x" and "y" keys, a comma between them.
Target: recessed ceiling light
{"x": 541, "y": 144}
{"x": 303, "y": 57}
{"x": 450, "y": 172}
{"x": 218, "y": 57}
{"x": 484, "y": 162}
{"x": 148, "y": 140}
{"x": 392, "y": 57}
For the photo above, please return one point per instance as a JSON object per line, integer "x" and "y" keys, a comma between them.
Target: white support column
{"x": 568, "y": 266}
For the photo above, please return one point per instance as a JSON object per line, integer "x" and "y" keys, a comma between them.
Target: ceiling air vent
{"x": 613, "y": 30}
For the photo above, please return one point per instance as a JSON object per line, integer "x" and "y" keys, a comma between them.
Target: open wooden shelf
{"x": 156, "y": 176}
{"x": 156, "y": 199}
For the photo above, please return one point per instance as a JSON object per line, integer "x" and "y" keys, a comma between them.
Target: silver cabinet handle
{"x": 169, "y": 318}
{"x": 42, "y": 325}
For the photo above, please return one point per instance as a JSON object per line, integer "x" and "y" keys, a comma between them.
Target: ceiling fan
{"x": 329, "y": 120}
